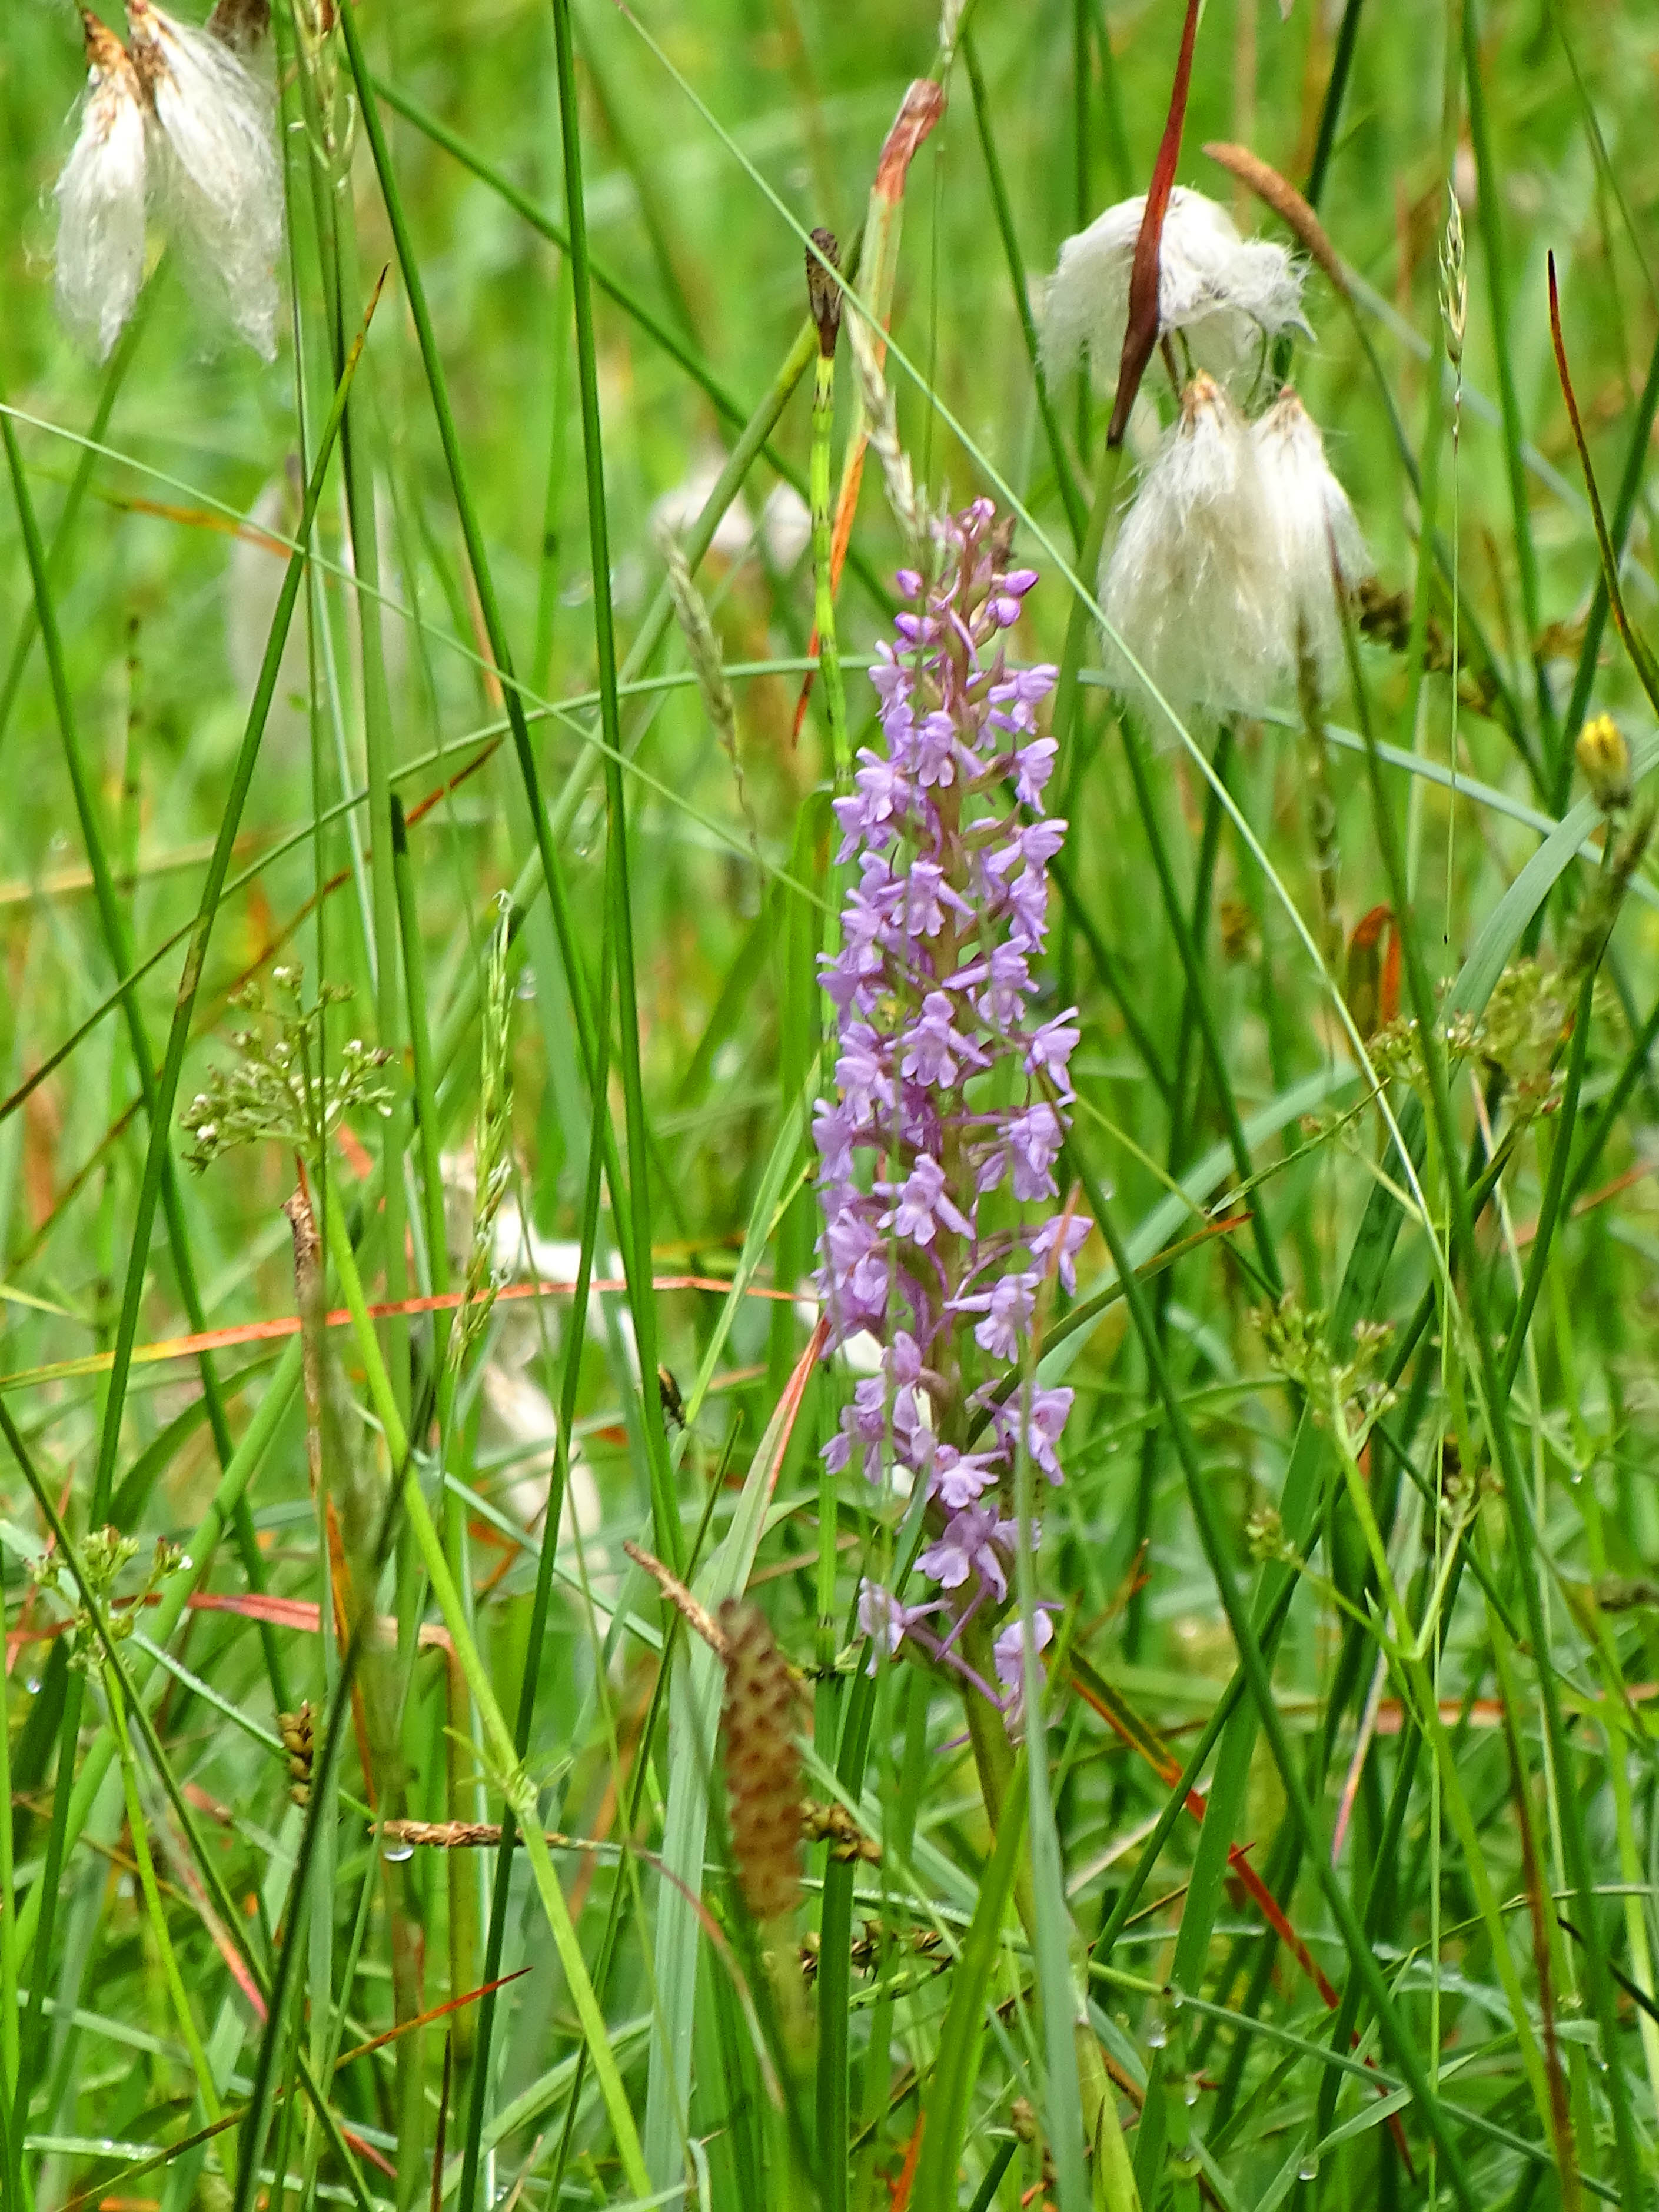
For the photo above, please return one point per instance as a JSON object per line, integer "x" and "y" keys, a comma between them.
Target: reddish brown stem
{"x": 1141, "y": 331}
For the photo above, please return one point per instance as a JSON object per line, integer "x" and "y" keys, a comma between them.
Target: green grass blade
{"x": 1517, "y": 1506}
{"x": 956, "y": 2068}
{"x": 166, "y": 1087}
{"x": 620, "y": 922}
{"x": 678, "y": 350}
{"x": 1489, "y": 215}
{"x": 117, "y": 949}
{"x": 1071, "y": 493}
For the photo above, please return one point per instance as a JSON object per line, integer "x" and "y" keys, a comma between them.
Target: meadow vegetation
{"x": 829, "y": 1271}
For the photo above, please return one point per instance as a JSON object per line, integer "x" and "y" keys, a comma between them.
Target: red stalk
{"x": 1141, "y": 333}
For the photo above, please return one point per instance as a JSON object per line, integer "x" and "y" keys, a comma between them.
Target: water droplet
{"x": 33, "y": 1686}
{"x": 1308, "y": 2169}
{"x": 1157, "y": 2033}
{"x": 1177, "y": 1998}
{"x": 1193, "y": 2090}
{"x": 395, "y": 1854}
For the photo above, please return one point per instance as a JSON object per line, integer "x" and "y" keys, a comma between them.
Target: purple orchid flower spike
{"x": 948, "y": 1115}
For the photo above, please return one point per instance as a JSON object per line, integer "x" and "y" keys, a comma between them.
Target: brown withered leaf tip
{"x": 822, "y": 292}
{"x": 1283, "y": 197}
{"x": 762, "y": 1767}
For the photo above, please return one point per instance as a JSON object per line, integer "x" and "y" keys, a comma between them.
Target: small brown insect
{"x": 673, "y": 1405}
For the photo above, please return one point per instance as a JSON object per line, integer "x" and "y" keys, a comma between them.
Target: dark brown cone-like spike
{"x": 822, "y": 291}
{"x": 762, "y": 1767}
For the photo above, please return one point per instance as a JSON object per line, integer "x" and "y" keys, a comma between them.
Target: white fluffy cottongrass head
{"x": 1317, "y": 547}
{"x": 220, "y": 177}
{"x": 1227, "y": 296}
{"x": 100, "y": 197}
{"x": 1190, "y": 585}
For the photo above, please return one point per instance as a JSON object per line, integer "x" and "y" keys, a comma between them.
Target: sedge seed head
{"x": 822, "y": 289}
{"x": 218, "y": 168}
{"x": 100, "y": 197}
{"x": 1229, "y": 296}
{"x": 1187, "y": 586}
{"x": 1315, "y": 544}
{"x": 762, "y": 1767}
{"x": 1230, "y": 576}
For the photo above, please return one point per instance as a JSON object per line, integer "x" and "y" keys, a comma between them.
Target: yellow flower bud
{"x": 1605, "y": 759}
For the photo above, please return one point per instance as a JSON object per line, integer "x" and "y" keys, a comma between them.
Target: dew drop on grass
{"x": 395, "y": 1854}
{"x": 1157, "y": 2033}
{"x": 1308, "y": 2169}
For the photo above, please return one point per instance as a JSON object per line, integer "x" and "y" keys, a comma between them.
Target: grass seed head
{"x": 703, "y": 649}
{"x": 492, "y": 1144}
{"x": 762, "y": 1767}
{"x": 1454, "y": 281}
{"x": 908, "y": 506}
{"x": 100, "y": 197}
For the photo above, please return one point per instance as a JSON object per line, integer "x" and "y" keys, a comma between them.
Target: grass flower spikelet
{"x": 908, "y": 506}
{"x": 492, "y": 1142}
{"x": 703, "y": 650}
